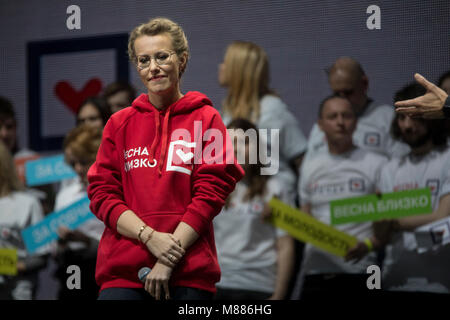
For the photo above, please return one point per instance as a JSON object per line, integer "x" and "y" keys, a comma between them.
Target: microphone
{"x": 143, "y": 272}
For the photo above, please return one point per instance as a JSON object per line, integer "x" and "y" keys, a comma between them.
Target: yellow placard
{"x": 8, "y": 261}
{"x": 305, "y": 228}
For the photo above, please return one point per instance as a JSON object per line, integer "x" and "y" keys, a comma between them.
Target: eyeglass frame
{"x": 153, "y": 57}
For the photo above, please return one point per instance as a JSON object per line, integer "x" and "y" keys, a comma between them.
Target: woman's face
{"x": 80, "y": 166}
{"x": 8, "y": 132}
{"x": 118, "y": 101}
{"x": 90, "y": 116}
{"x": 159, "y": 79}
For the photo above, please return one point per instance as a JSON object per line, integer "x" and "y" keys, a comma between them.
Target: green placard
{"x": 387, "y": 206}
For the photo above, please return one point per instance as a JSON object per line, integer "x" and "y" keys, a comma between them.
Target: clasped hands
{"x": 168, "y": 250}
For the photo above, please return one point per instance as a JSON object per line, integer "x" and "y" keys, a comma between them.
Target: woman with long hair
{"x": 244, "y": 72}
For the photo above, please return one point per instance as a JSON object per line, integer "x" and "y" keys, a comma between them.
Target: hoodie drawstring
{"x": 157, "y": 137}
{"x": 164, "y": 141}
{"x": 155, "y": 140}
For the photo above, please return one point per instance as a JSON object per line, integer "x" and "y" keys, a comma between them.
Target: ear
{"x": 183, "y": 62}
{"x": 365, "y": 82}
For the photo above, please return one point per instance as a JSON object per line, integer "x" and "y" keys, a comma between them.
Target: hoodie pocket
{"x": 198, "y": 265}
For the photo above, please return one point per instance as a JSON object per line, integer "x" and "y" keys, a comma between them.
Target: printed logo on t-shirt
{"x": 256, "y": 207}
{"x": 10, "y": 237}
{"x": 357, "y": 185}
{"x": 328, "y": 188}
{"x": 433, "y": 184}
{"x": 372, "y": 139}
{"x": 406, "y": 186}
{"x": 4, "y": 233}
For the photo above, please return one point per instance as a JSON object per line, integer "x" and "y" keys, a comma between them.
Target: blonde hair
{"x": 157, "y": 26}
{"x": 247, "y": 79}
{"x": 83, "y": 142}
{"x": 9, "y": 180}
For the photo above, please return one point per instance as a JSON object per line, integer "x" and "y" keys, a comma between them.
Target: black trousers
{"x": 176, "y": 293}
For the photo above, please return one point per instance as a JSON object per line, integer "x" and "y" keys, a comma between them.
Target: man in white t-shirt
{"x": 406, "y": 268}
{"x": 348, "y": 79}
{"x": 344, "y": 171}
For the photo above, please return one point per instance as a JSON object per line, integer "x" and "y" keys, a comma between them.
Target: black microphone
{"x": 143, "y": 272}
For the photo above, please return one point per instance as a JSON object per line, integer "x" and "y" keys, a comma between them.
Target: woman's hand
{"x": 157, "y": 280}
{"x": 21, "y": 267}
{"x": 166, "y": 248}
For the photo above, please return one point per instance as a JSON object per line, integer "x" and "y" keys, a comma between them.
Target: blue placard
{"x": 47, "y": 170}
{"x": 46, "y": 230}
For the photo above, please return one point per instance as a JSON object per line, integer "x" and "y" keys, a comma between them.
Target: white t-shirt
{"x": 330, "y": 177}
{"x": 404, "y": 268}
{"x": 246, "y": 245}
{"x": 372, "y": 133}
{"x": 275, "y": 114}
{"x": 18, "y": 211}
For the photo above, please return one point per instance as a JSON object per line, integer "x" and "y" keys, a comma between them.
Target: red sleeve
{"x": 105, "y": 182}
{"x": 212, "y": 180}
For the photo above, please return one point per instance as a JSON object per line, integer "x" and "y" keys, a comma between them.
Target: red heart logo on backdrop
{"x": 73, "y": 98}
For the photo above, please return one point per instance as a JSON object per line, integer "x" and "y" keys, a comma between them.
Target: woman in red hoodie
{"x": 163, "y": 171}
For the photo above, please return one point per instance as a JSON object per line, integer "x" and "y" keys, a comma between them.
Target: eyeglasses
{"x": 161, "y": 58}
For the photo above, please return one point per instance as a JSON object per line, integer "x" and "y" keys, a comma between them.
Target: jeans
{"x": 176, "y": 293}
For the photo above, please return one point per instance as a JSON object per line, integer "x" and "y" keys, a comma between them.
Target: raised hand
{"x": 427, "y": 106}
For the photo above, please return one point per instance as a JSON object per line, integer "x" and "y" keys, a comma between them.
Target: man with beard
{"x": 405, "y": 269}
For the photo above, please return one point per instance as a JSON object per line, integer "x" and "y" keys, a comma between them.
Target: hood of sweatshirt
{"x": 190, "y": 101}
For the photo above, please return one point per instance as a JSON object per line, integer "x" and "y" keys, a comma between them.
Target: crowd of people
{"x": 203, "y": 228}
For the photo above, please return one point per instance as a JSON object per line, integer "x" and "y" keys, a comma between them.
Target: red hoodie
{"x": 144, "y": 166}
